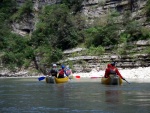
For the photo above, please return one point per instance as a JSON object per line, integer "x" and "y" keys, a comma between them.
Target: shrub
{"x": 24, "y": 11}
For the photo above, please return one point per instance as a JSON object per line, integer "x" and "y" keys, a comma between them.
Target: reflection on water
{"x": 78, "y": 95}
{"x": 141, "y": 99}
{"x": 113, "y": 96}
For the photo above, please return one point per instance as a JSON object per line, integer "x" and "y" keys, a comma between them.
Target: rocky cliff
{"x": 133, "y": 58}
{"x": 96, "y": 9}
{"x": 91, "y": 9}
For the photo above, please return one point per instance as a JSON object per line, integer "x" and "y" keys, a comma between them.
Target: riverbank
{"x": 5, "y": 73}
{"x": 136, "y": 73}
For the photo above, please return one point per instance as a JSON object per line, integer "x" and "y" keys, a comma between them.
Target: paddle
{"x": 126, "y": 81}
{"x": 41, "y": 78}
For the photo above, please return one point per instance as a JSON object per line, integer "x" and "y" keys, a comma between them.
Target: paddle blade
{"x": 77, "y": 76}
{"x": 41, "y": 78}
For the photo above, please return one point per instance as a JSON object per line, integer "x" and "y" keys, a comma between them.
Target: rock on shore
{"x": 136, "y": 73}
{"x": 126, "y": 73}
{"x": 22, "y": 73}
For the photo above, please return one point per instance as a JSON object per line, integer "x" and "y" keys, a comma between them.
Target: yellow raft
{"x": 50, "y": 79}
{"x": 112, "y": 80}
{"x": 61, "y": 80}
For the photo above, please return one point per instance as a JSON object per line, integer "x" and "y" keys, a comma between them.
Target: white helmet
{"x": 54, "y": 65}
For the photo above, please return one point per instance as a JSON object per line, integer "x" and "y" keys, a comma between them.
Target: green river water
{"x": 28, "y": 95}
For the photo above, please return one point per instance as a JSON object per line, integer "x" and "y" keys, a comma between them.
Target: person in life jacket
{"x": 68, "y": 71}
{"x": 53, "y": 71}
{"x": 62, "y": 72}
{"x": 111, "y": 69}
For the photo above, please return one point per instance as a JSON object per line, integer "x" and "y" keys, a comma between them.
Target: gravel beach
{"x": 136, "y": 73}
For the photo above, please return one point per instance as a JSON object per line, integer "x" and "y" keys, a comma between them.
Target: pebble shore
{"x": 141, "y": 73}
{"x": 136, "y": 73}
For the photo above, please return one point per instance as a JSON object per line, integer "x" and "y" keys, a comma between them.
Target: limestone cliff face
{"x": 86, "y": 63}
{"x": 90, "y": 8}
{"x": 99, "y": 8}
{"x": 94, "y": 9}
{"x": 28, "y": 24}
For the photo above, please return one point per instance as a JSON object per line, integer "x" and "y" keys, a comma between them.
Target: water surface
{"x": 28, "y": 95}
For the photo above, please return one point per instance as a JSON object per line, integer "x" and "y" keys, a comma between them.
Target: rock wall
{"x": 28, "y": 24}
{"x": 133, "y": 59}
{"x": 90, "y": 8}
{"x": 100, "y": 8}
{"x": 94, "y": 9}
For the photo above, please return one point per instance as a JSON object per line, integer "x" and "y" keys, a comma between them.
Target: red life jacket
{"x": 61, "y": 72}
{"x": 113, "y": 71}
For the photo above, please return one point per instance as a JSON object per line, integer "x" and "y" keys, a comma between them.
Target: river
{"x": 28, "y": 95}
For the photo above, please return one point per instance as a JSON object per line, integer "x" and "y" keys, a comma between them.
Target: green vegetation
{"x": 61, "y": 27}
{"x": 13, "y": 50}
{"x": 56, "y": 28}
{"x": 11, "y": 45}
{"x": 74, "y": 5}
{"x": 147, "y": 10}
{"x": 24, "y": 11}
{"x": 95, "y": 51}
{"x": 105, "y": 34}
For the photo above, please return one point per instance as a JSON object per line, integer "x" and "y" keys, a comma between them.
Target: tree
{"x": 106, "y": 34}
{"x": 56, "y": 28}
{"x": 74, "y": 5}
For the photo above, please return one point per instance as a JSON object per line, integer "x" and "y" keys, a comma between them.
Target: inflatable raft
{"x": 112, "y": 80}
{"x": 50, "y": 79}
{"x": 61, "y": 80}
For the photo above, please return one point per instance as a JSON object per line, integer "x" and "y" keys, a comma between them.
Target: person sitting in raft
{"x": 68, "y": 71}
{"x": 61, "y": 72}
{"x": 112, "y": 70}
{"x": 53, "y": 71}
{"x": 107, "y": 71}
